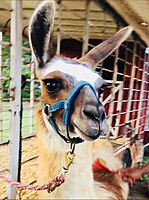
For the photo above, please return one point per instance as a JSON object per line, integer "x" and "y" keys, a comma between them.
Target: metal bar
{"x": 59, "y": 29}
{"x": 133, "y": 121}
{"x": 131, "y": 100}
{"x": 1, "y": 89}
{"x": 86, "y": 29}
{"x": 9, "y": 44}
{"x": 4, "y": 43}
{"x": 108, "y": 99}
{"x": 119, "y": 106}
{"x": 15, "y": 93}
{"x": 142, "y": 93}
{"x": 131, "y": 85}
{"x": 32, "y": 85}
{"x": 114, "y": 78}
{"x": 130, "y": 111}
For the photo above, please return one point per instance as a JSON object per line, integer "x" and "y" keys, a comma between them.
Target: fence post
{"x": 1, "y": 87}
{"x": 86, "y": 29}
{"x": 32, "y": 94}
{"x": 111, "y": 106}
{"x": 15, "y": 92}
{"x": 141, "y": 102}
{"x": 131, "y": 85}
{"x": 59, "y": 28}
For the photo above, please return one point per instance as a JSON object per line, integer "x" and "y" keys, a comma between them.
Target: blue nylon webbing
{"x": 66, "y": 105}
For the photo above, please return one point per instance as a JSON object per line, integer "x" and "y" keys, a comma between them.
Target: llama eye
{"x": 52, "y": 85}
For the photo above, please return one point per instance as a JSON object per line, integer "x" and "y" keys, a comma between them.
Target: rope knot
{"x": 56, "y": 182}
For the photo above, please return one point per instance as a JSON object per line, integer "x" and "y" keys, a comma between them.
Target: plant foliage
{"x": 26, "y": 71}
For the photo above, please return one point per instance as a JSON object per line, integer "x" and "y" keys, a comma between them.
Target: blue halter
{"x": 66, "y": 105}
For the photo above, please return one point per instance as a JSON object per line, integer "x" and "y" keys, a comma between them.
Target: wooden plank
{"x": 130, "y": 16}
{"x": 77, "y": 22}
{"x": 15, "y": 93}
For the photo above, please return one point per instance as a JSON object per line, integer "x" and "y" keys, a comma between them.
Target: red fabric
{"x": 97, "y": 166}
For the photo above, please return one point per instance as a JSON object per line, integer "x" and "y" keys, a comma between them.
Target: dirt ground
{"x": 29, "y": 173}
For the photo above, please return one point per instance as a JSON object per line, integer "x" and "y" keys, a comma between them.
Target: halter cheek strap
{"x": 66, "y": 105}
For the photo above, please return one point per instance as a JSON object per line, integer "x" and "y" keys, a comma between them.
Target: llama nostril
{"x": 91, "y": 112}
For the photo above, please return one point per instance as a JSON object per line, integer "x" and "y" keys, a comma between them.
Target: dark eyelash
{"x": 51, "y": 79}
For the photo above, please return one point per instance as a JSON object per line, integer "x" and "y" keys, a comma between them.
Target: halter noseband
{"x": 66, "y": 105}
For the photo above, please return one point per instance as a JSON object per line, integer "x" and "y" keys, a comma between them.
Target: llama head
{"x": 59, "y": 77}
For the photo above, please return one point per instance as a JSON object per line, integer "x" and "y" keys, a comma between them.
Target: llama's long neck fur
{"x": 79, "y": 179}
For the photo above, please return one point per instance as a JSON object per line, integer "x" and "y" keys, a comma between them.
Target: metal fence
{"x": 30, "y": 91}
{"x": 126, "y": 72}
{"x": 126, "y": 96}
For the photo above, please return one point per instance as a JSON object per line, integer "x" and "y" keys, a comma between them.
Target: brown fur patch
{"x": 39, "y": 119}
{"x": 110, "y": 181}
{"x": 62, "y": 94}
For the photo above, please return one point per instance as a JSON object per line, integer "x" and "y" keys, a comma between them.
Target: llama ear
{"x": 100, "y": 52}
{"x": 40, "y": 29}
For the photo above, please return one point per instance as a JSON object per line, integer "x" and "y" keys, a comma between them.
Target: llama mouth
{"x": 85, "y": 135}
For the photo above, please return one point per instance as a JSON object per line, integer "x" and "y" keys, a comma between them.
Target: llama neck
{"x": 79, "y": 179}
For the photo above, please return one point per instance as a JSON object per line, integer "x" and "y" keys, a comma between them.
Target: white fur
{"x": 76, "y": 186}
{"x": 80, "y": 72}
{"x": 79, "y": 183}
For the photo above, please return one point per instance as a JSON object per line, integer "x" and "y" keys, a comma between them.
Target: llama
{"x": 71, "y": 115}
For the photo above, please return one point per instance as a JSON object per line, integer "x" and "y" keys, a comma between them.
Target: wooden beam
{"x": 128, "y": 16}
{"x": 15, "y": 93}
